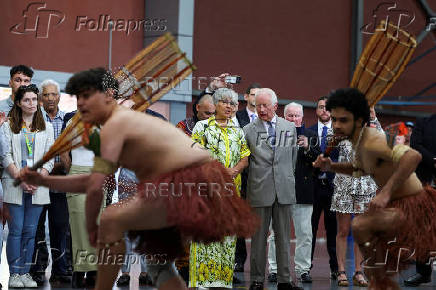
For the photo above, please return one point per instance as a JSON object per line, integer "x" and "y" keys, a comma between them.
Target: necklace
{"x": 357, "y": 165}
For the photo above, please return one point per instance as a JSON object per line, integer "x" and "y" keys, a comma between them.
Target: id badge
{"x": 29, "y": 162}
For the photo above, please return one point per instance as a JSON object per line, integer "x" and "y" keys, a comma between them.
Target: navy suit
{"x": 322, "y": 201}
{"x": 423, "y": 140}
{"x": 304, "y": 171}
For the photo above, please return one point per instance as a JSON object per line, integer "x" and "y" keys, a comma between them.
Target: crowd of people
{"x": 281, "y": 172}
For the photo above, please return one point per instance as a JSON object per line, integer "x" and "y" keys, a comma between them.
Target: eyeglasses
{"x": 227, "y": 102}
{"x": 321, "y": 107}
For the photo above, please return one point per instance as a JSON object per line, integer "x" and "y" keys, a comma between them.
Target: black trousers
{"x": 241, "y": 248}
{"x": 322, "y": 202}
{"x": 423, "y": 268}
{"x": 59, "y": 227}
{"x": 241, "y": 251}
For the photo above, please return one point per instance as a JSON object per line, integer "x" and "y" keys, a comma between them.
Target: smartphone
{"x": 233, "y": 79}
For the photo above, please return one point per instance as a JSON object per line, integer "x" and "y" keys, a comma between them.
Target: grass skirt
{"x": 201, "y": 204}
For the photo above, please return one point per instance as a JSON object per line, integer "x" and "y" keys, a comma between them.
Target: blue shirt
{"x": 57, "y": 123}
{"x": 6, "y": 105}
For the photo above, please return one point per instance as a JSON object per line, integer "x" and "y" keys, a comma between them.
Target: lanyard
{"x": 29, "y": 143}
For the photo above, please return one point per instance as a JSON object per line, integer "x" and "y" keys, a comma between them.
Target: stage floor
{"x": 320, "y": 274}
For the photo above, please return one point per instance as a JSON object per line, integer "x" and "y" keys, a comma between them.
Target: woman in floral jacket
{"x": 211, "y": 265}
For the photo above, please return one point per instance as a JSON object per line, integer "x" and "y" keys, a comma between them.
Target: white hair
{"x": 269, "y": 92}
{"x": 296, "y": 105}
{"x": 225, "y": 93}
{"x": 205, "y": 98}
{"x": 49, "y": 82}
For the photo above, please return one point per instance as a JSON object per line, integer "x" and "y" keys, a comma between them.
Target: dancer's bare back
{"x": 376, "y": 159}
{"x": 147, "y": 145}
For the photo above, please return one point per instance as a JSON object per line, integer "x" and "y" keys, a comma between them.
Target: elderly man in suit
{"x": 308, "y": 150}
{"x": 271, "y": 186}
{"x": 423, "y": 140}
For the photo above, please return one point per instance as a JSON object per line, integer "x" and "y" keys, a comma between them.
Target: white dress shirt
{"x": 250, "y": 114}
{"x": 320, "y": 126}
{"x": 273, "y": 122}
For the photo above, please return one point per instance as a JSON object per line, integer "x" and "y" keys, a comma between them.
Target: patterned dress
{"x": 212, "y": 265}
{"x": 351, "y": 195}
{"x": 187, "y": 125}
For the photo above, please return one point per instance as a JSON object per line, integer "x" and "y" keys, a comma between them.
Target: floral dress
{"x": 211, "y": 265}
{"x": 351, "y": 195}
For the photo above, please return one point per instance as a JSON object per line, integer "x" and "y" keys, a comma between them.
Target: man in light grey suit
{"x": 271, "y": 186}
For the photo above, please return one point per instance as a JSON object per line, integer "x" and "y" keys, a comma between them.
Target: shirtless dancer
{"x": 151, "y": 148}
{"x": 403, "y": 210}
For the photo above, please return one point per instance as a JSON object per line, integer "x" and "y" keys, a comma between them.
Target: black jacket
{"x": 243, "y": 120}
{"x": 423, "y": 140}
{"x": 304, "y": 171}
{"x": 243, "y": 117}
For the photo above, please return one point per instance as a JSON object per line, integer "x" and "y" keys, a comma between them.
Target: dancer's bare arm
{"x": 94, "y": 198}
{"x": 72, "y": 183}
{"x": 326, "y": 164}
{"x": 111, "y": 146}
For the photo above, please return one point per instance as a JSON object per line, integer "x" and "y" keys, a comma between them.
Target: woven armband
{"x": 103, "y": 166}
{"x": 398, "y": 152}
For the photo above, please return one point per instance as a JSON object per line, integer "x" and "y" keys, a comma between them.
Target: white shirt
{"x": 82, "y": 157}
{"x": 320, "y": 126}
{"x": 273, "y": 122}
{"x": 250, "y": 114}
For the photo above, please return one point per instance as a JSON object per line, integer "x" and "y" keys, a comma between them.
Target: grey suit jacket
{"x": 271, "y": 172}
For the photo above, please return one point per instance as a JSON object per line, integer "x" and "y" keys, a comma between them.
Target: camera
{"x": 233, "y": 79}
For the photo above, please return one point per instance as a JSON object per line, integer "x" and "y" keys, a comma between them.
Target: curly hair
{"x": 98, "y": 79}
{"x": 351, "y": 100}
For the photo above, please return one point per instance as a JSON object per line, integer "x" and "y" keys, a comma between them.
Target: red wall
{"x": 66, "y": 49}
{"x": 298, "y": 48}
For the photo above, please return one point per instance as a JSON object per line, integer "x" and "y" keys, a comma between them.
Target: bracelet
{"x": 104, "y": 166}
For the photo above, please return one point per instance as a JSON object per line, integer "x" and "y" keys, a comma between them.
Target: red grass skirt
{"x": 415, "y": 234}
{"x": 201, "y": 205}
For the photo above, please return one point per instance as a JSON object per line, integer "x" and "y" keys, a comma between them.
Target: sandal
{"x": 359, "y": 282}
{"x": 342, "y": 282}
